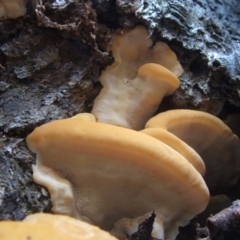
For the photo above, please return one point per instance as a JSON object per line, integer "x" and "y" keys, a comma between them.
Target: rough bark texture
{"x": 225, "y": 224}
{"x": 51, "y": 59}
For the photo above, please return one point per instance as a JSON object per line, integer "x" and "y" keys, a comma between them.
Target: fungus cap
{"x": 43, "y": 226}
{"x": 130, "y": 104}
{"x": 177, "y": 144}
{"x": 211, "y": 139}
{"x": 133, "y": 48}
{"x": 86, "y": 117}
{"x": 12, "y": 8}
{"x": 160, "y": 76}
{"x": 102, "y": 173}
{"x": 123, "y": 100}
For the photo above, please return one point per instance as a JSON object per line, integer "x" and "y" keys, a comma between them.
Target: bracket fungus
{"x": 115, "y": 177}
{"x": 12, "y": 8}
{"x": 140, "y": 76}
{"x": 211, "y": 139}
{"x": 177, "y": 144}
{"x": 43, "y": 226}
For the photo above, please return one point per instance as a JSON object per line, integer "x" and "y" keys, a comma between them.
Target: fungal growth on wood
{"x": 115, "y": 177}
{"x": 213, "y": 140}
{"x": 98, "y": 168}
{"x": 141, "y": 76}
{"x": 177, "y": 144}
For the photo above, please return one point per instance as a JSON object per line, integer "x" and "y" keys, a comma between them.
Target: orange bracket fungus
{"x": 135, "y": 84}
{"x": 115, "y": 177}
{"x": 12, "y": 8}
{"x": 211, "y": 139}
{"x": 177, "y": 144}
{"x": 43, "y": 226}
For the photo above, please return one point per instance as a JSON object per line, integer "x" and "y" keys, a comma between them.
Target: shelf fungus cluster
{"x": 213, "y": 140}
{"x": 115, "y": 166}
{"x": 12, "y": 8}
